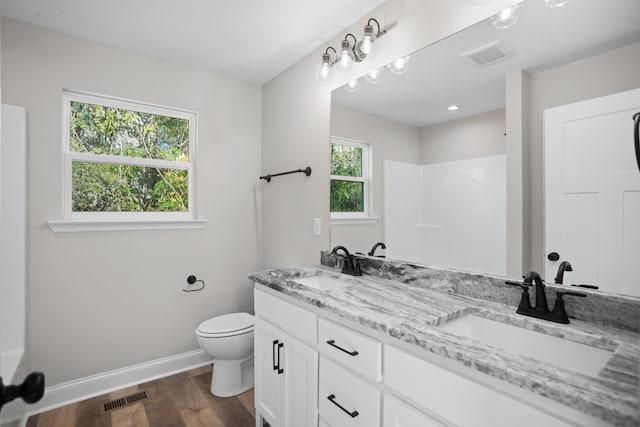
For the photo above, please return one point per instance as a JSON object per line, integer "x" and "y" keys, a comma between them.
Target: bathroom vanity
{"x": 395, "y": 348}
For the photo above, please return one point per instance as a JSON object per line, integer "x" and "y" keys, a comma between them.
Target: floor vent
{"x": 124, "y": 401}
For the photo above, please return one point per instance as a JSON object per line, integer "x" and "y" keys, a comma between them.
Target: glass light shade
{"x": 367, "y": 48}
{"x": 555, "y": 3}
{"x": 323, "y": 70}
{"x": 346, "y": 58}
{"x": 352, "y": 86}
{"x": 506, "y": 18}
{"x": 399, "y": 66}
{"x": 374, "y": 76}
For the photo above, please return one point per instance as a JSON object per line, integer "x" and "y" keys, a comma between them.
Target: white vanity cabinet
{"x": 335, "y": 376}
{"x": 286, "y": 369}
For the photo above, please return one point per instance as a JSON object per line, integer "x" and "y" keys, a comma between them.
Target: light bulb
{"x": 323, "y": 70}
{"x": 399, "y": 66}
{"x": 374, "y": 76}
{"x": 453, "y": 108}
{"x": 506, "y": 18}
{"x": 366, "y": 48}
{"x": 345, "y": 60}
{"x": 351, "y": 86}
{"x": 555, "y": 3}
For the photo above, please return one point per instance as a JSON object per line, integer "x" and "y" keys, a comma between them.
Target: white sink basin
{"x": 323, "y": 283}
{"x": 563, "y": 353}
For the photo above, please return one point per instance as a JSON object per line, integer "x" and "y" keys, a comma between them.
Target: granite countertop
{"x": 412, "y": 313}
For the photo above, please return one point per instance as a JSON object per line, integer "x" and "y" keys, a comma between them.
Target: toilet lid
{"x": 228, "y": 324}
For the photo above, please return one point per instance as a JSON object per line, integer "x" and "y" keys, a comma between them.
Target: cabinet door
{"x": 300, "y": 366}
{"x": 269, "y": 386}
{"x": 399, "y": 414}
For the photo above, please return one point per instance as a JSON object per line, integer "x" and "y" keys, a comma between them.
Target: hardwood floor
{"x": 179, "y": 400}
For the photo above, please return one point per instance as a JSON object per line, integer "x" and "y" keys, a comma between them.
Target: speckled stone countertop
{"x": 411, "y": 312}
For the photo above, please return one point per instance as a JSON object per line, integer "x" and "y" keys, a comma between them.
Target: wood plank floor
{"x": 179, "y": 400}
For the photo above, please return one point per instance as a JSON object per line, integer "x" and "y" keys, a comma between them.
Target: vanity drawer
{"x": 289, "y": 317}
{"x": 398, "y": 413}
{"x": 352, "y": 349}
{"x": 457, "y": 399}
{"x": 345, "y": 399}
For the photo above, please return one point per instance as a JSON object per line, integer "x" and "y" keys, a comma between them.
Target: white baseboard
{"x": 95, "y": 385}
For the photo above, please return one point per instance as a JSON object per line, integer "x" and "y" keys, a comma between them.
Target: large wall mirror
{"x": 434, "y": 151}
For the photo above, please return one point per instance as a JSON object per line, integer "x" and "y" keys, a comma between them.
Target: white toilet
{"x": 229, "y": 340}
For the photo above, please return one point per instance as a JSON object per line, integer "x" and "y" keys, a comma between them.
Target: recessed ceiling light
{"x": 452, "y": 107}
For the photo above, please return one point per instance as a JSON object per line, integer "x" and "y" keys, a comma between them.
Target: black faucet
{"x": 564, "y": 266}
{"x": 351, "y": 265}
{"x": 373, "y": 249}
{"x": 541, "y": 310}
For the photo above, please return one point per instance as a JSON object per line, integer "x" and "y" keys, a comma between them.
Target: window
{"x": 350, "y": 171}
{"x": 127, "y": 160}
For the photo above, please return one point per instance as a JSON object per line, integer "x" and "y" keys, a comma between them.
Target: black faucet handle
{"x": 524, "y": 286}
{"x": 571, "y": 293}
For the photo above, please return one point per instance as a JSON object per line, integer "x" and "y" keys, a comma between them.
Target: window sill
{"x": 79, "y": 226}
{"x": 350, "y": 221}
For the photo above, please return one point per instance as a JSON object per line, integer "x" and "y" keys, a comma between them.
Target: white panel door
{"x": 592, "y": 192}
{"x": 269, "y": 386}
{"x": 300, "y": 367}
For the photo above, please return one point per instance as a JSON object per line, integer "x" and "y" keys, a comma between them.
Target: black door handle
{"x": 636, "y": 137}
{"x": 332, "y": 343}
{"x": 280, "y": 370}
{"x": 332, "y": 397}
{"x": 553, "y": 256}
{"x": 31, "y": 390}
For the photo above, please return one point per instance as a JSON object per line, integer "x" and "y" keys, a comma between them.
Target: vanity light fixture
{"x": 323, "y": 69}
{"x": 374, "y": 76}
{"x": 346, "y": 57}
{"x": 506, "y": 18}
{"x": 555, "y": 3}
{"x": 352, "y": 85}
{"x": 351, "y": 50}
{"x": 400, "y": 65}
{"x": 367, "y": 48}
{"x": 453, "y": 108}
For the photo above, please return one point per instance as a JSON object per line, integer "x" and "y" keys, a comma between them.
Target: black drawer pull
{"x": 273, "y": 348}
{"x": 332, "y": 343}
{"x": 331, "y": 398}
{"x": 280, "y": 370}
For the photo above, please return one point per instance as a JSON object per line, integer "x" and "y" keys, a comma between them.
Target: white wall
{"x": 389, "y": 140}
{"x": 481, "y": 135}
{"x": 104, "y": 300}
{"x": 296, "y": 116}
{"x": 600, "y": 75}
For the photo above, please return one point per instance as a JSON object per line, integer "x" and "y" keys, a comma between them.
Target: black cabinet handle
{"x": 273, "y": 348}
{"x": 332, "y": 343}
{"x": 331, "y": 398}
{"x": 553, "y": 256}
{"x": 280, "y": 370}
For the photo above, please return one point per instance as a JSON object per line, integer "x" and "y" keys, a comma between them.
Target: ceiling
{"x": 251, "y": 40}
{"x": 542, "y": 38}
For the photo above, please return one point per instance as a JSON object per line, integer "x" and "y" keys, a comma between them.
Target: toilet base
{"x": 231, "y": 377}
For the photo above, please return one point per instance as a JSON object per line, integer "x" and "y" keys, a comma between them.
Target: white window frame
{"x": 131, "y": 218}
{"x": 367, "y": 156}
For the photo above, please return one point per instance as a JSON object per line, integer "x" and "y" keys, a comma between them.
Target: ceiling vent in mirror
{"x": 488, "y": 54}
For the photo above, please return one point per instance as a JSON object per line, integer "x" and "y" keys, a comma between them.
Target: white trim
{"x": 80, "y": 225}
{"x": 355, "y": 220}
{"x": 106, "y": 382}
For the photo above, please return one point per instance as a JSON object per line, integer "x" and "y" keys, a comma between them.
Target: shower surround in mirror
{"x": 450, "y": 214}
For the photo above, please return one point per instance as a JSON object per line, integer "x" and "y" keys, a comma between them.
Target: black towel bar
{"x": 306, "y": 171}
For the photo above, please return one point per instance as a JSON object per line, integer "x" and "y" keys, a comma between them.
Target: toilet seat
{"x": 226, "y": 325}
